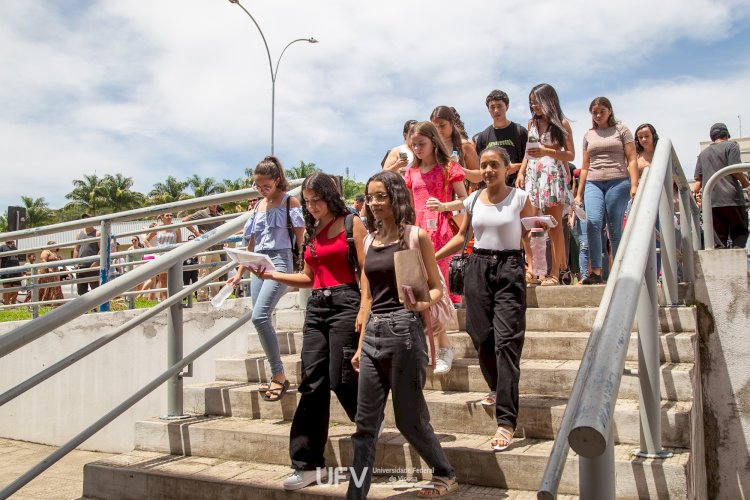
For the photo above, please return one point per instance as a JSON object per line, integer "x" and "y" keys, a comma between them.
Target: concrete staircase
{"x": 237, "y": 445}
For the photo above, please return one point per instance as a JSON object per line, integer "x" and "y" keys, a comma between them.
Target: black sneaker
{"x": 592, "y": 279}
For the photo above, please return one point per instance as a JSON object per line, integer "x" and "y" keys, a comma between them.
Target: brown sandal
{"x": 531, "y": 279}
{"x": 438, "y": 487}
{"x": 550, "y": 281}
{"x": 503, "y": 437}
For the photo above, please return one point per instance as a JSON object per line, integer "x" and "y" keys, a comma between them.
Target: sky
{"x": 180, "y": 87}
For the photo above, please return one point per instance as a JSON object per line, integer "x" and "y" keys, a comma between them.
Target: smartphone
{"x": 409, "y": 292}
{"x": 402, "y": 155}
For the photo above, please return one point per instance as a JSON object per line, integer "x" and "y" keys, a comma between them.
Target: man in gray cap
{"x": 727, "y": 198}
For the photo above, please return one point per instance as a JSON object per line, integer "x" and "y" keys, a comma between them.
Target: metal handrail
{"x": 587, "y": 424}
{"x": 170, "y": 261}
{"x": 706, "y": 208}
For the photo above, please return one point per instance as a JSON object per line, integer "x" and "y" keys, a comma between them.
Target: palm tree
{"x": 237, "y": 184}
{"x": 38, "y": 212}
{"x": 301, "y": 171}
{"x": 249, "y": 172}
{"x": 204, "y": 187}
{"x": 87, "y": 193}
{"x": 118, "y": 195}
{"x": 169, "y": 191}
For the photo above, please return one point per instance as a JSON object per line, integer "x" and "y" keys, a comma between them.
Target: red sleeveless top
{"x": 330, "y": 264}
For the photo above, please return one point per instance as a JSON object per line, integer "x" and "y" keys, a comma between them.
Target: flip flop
{"x": 277, "y": 392}
{"x": 438, "y": 487}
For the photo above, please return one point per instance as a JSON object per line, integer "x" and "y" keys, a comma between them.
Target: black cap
{"x": 719, "y": 130}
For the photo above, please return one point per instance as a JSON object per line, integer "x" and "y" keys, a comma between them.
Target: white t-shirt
{"x": 498, "y": 226}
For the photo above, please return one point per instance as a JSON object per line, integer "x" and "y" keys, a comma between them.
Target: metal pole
{"x": 131, "y": 298}
{"x": 649, "y": 362}
{"x": 668, "y": 247}
{"x": 596, "y": 476}
{"x": 34, "y": 294}
{"x": 104, "y": 257}
{"x": 687, "y": 230}
{"x": 174, "y": 343}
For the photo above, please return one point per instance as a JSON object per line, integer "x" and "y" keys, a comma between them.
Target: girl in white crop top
{"x": 495, "y": 287}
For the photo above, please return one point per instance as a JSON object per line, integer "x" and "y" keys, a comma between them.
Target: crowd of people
{"x": 365, "y": 334}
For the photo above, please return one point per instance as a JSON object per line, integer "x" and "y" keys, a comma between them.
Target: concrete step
{"x": 551, "y": 378}
{"x": 143, "y": 474}
{"x": 539, "y": 417}
{"x": 546, "y": 319}
{"x": 518, "y": 468}
{"x": 675, "y": 347}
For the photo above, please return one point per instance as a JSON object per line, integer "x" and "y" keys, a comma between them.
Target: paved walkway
{"x": 62, "y": 481}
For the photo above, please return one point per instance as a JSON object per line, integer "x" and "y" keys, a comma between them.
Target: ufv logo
{"x": 335, "y": 475}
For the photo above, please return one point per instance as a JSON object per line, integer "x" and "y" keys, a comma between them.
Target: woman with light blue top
{"x": 275, "y": 220}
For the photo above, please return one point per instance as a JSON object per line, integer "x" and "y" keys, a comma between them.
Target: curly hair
{"x": 400, "y": 197}
{"x": 270, "y": 167}
{"x": 327, "y": 189}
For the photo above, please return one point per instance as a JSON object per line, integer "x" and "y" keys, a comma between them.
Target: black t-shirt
{"x": 511, "y": 138}
{"x": 9, "y": 261}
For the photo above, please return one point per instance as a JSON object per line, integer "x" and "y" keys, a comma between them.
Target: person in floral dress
{"x": 544, "y": 169}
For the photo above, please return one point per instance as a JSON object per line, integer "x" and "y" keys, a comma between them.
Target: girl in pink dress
{"x": 434, "y": 175}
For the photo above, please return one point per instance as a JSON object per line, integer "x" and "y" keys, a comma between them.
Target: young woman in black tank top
{"x": 392, "y": 353}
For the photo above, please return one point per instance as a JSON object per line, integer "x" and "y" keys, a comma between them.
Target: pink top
{"x": 326, "y": 264}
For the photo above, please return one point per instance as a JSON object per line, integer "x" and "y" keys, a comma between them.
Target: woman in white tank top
{"x": 495, "y": 286}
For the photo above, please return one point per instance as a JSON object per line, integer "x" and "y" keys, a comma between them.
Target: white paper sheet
{"x": 251, "y": 259}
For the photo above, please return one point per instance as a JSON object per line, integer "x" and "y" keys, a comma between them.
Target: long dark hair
{"x": 547, "y": 98}
{"x": 603, "y": 101}
{"x": 324, "y": 186}
{"x": 270, "y": 167}
{"x": 450, "y": 114}
{"x": 638, "y": 147}
{"x": 442, "y": 156}
{"x": 398, "y": 193}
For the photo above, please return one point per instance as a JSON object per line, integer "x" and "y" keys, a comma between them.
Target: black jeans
{"x": 495, "y": 295}
{"x": 328, "y": 344}
{"x": 394, "y": 358}
{"x": 731, "y": 222}
{"x": 90, "y": 285}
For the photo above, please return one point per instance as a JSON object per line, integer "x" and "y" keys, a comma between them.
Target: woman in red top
{"x": 330, "y": 335}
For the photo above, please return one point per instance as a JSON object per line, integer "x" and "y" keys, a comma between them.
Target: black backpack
{"x": 351, "y": 253}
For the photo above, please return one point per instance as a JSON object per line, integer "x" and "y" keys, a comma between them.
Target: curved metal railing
{"x": 706, "y": 208}
{"x": 587, "y": 423}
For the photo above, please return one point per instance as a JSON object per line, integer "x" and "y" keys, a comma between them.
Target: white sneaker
{"x": 301, "y": 478}
{"x": 443, "y": 361}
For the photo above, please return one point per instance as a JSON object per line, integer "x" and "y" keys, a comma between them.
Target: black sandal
{"x": 276, "y": 393}
{"x": 566, "y": 277}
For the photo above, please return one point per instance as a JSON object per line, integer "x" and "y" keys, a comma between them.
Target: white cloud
{"x": 178, "y": 87}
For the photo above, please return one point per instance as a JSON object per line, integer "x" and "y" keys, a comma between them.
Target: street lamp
{"x": 274, "y": 72}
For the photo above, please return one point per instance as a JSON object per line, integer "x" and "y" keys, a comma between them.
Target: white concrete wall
{"x": 722, "y": 295}
{"x": 64, "y": 405}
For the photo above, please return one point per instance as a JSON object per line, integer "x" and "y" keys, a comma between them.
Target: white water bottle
{"x": 538, "y": 252}
{"x": 220, "y": 297}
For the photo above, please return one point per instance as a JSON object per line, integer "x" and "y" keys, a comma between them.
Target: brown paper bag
{"x": 410, "y": 271}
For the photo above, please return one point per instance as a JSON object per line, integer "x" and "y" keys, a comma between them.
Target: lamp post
{"x": 274, "y": 72}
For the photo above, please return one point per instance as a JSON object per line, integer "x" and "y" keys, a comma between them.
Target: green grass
{"x": 22, "y": 313}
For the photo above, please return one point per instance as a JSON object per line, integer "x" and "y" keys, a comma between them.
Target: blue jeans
{"x": 583, "y": 251}
{"x": 605, "y": 202}
{"x": 266, "y": 294}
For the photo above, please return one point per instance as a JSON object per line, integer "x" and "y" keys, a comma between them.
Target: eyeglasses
{"x": 377, "y": 197}
{"x": 262, "y": 189}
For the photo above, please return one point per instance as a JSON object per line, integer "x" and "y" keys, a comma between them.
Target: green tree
{"x": 249, "y": 173}
{"x": 352, "y": 188}
{"x": 168, "y": 191}
{"x": 302, "y": 170}
{"x": 87, "y": 194}
{"x": 118, "y": 195}
{"x": 38, "y": 212}
{"x": 204, "y": 187}
{"x": 3, "y": 223}
{"x": 236, "y": 185}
